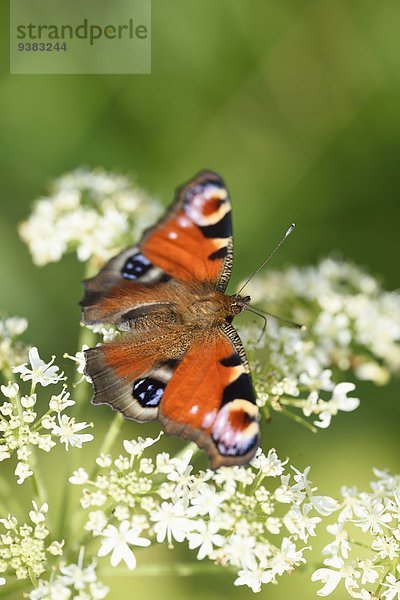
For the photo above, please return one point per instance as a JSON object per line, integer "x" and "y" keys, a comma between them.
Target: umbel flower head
{"x": 257, "y": 520}
{"x": 12, "y": 350}
{"x": 353, "y": 328}
{"x": 24, "y": 548}
{"x": 27, "y": 423}
{"x": 364, "y": 553}
{"x": 94, "y": 213}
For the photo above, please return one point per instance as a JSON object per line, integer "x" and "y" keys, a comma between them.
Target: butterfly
{"x": 180, "y": 360}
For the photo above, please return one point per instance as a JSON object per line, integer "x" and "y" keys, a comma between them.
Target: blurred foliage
{"x": 296, "y": 103}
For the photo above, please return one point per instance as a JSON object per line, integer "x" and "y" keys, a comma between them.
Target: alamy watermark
{"x": 94, "y": 36}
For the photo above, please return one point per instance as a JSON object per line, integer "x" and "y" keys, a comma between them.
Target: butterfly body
{"x": 180, "y": 361}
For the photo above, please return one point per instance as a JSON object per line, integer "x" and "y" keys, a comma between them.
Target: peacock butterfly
{"x": 180, "y": 360}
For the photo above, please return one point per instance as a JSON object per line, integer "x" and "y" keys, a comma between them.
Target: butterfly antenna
{"x": 263, "y": 313}
{"x": 288, "y": 232}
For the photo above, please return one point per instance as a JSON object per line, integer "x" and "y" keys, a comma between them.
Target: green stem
{"x": 378, "y": 589}
{"x": 357, "y": 543}
{"x": 38, "y": 486}
{"x": 80, "y": 395}
{"x": 109, "y": 439}
{"x": 298, "y": 419}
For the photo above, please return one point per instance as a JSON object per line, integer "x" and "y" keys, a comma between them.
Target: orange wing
{"x": 192, "y": 242}
{"x": 210, "y": 399}
{"x": 131, "y": 374}
{"x": 199, "y": 387}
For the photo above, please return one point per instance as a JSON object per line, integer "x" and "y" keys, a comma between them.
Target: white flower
{"x": 170, "y": 522}
{"x": 29, "y": 401}
{"x": 386, "y": 547}
{"x": 136, "y": 447}
{"x": 369, "y": 571}
{"x": 75, "y": 575}
{"x": 340, "y": 545}
{"x": 324, "y": 505}
{"x": 392, "y": 586}
{"x": 79, "y": 477}
{"x": 60, "y": 402}
{"x": 286, "y": 558}
{"x": 253, "y": 578}
{"x": 41, "y": 372}
{"x": 116, "y": 542}
{"x": 331, "y": 577}
{"x": 269, "y": 465}
{"x": 38, "y": 515}
{"x": 372, "y": 516}
{"x": 298, "y": 522}
{"x": 22, "y": 471}
{"x": 96, "y": 522}
{"x": 240, "y": 550}
{"x": 13, "y": 326}
{"x": 10, "y": 390}
{"x": 67, "y": 430}
{"x": 180, "y": 472}
{"x": 47, "y": 590}
{"x": 205, "y": 538}
{"x": 205, "y": 501}
{"x": 80, "y": 360}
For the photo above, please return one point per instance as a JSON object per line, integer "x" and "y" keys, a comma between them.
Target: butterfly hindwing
{"x": 210, "y": 399}
{"x": 192, "y": 242}
{"x": 131, "y": 374}
{"x": 128, "y": 273}
{"x": 198, "y": 386}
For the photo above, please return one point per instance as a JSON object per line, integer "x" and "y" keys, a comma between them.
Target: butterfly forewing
{"x": 192, "y": 242}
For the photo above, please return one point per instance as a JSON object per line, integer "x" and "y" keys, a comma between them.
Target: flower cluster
{"x": 12, "y": 350}
{"x": 94, "y": 213}
{"x": 364, "y": 553}
{"x": 352, "y": 325}
{"x": 71, "y": 581}
{"x": 25, "y": 552}
{"x": 22, "y": 429}
{"x": 257, "y": 520}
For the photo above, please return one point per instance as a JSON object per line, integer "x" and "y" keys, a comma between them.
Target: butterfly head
{"x": 238, "y": 303}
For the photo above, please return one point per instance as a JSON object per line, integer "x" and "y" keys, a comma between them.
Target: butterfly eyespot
{"x": 236, "y": 431}
{"x": 207, "y": 204}
{"x": 136, "y": 266}
{"x": 148, "y": 391}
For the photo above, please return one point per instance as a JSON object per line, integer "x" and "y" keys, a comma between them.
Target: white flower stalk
{"x": 27, "y": 423}
{"x": 257, "y": 520}
{"x": 93, "y": 213}
{"x": 364, "y": 554}
{"x": 25, "y": 551}
{"x": 353, "y": 325}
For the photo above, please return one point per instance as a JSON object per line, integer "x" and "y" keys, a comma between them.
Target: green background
{"x": 296, "y": 103}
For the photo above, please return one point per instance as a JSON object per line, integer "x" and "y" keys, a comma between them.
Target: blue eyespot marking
{"x": 136, "y": 266}
{"x": 148, "y": 392}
